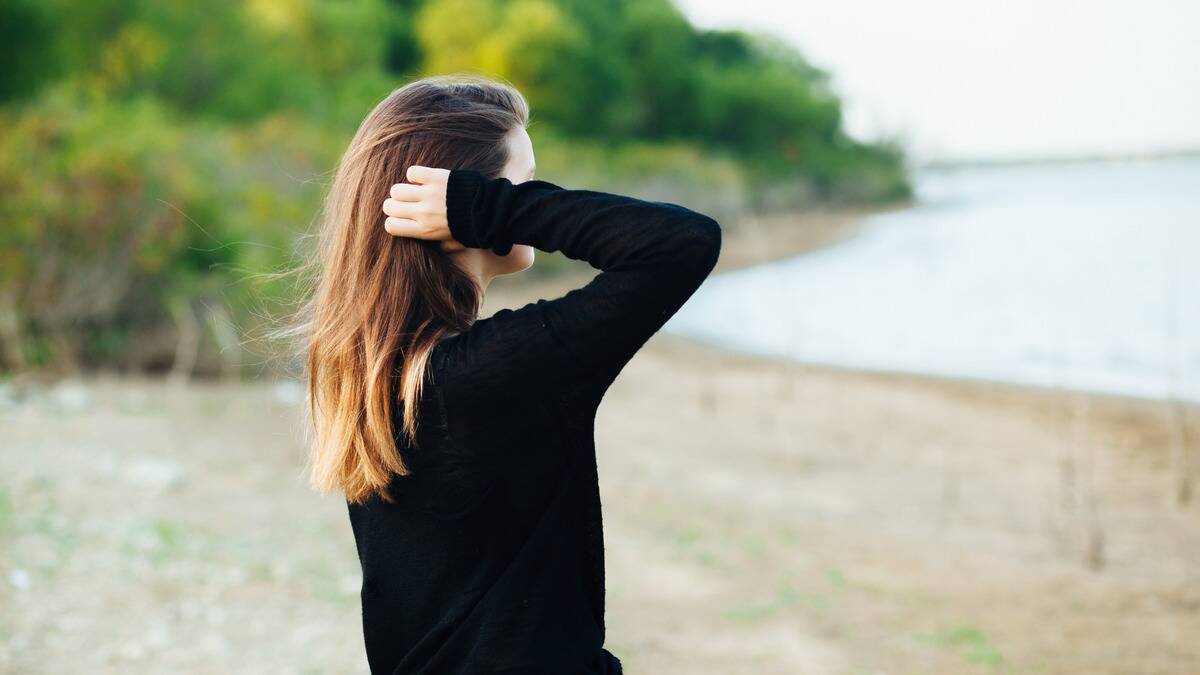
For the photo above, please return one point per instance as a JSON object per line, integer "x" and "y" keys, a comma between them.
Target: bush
{"x": 122, "y": 217}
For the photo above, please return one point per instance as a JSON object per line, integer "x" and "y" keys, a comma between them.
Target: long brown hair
{"x": 381, "y": 303}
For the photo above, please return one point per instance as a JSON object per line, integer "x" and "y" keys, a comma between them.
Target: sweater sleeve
{"x": 652, "y": 257}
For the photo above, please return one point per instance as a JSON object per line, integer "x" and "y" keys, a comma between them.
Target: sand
{"x": 760, "y": 517}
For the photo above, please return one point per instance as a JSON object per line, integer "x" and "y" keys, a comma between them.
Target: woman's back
{"x": 490, "y": 559}
{"x": 479, "y": 564}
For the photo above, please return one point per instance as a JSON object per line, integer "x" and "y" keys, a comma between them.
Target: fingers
{"x": 406, "y": 219}
{"x": 399, "y": 209}
{"x": 427, "y": 175}
{"x": 419, "y": 174}
{"x": 417, "y": 209}
{"x": 402, "y": 227}
{"x": 406, "y": 192}
{"x": 414, "y": 211}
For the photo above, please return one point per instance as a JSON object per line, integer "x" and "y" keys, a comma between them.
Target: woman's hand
{"x": 418, "y": 208}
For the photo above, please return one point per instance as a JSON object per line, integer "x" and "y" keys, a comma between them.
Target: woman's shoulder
{"x": 479, "y": 361}
{"x": 465, "y": 369}
{"x": 477, "y": 385}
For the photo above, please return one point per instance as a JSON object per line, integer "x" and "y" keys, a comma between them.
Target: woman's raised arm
{"x": 652, "y": 257}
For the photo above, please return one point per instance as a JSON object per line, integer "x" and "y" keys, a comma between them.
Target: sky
{"x": 965, "y": 79}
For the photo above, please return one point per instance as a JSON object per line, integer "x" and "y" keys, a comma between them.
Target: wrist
{"x": 462, "y": 186}
{"x": 467, "y": 206}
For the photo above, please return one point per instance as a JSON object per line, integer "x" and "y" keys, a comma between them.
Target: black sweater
{"x": 491, "y": 558}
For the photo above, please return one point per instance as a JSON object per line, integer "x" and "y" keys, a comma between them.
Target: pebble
{"x": 71, "y": 396}
{"x": 20, "y": 579}
{"x": 155, "y": 473}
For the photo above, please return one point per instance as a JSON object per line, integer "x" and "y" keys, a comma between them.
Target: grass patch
{"x": 159, "y": 540}
{"x": 835, "y": 577}
{"x": 786, "y": 596}
{"x": 968, "y": 641}
{"x": 750, "y": 612}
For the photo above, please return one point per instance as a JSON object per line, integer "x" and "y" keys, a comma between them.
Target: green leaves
{"x": 157, "y": 152}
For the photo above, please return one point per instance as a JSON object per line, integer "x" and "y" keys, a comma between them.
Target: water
{"x": 1077, "y": 276}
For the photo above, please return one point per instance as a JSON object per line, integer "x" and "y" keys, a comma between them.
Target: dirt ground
{"x": 760, "y": 517}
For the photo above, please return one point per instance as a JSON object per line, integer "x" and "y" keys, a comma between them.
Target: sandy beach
{"x": 760, "y": 517}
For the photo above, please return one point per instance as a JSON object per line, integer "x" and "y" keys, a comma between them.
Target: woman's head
{"x": 381, "y": 303}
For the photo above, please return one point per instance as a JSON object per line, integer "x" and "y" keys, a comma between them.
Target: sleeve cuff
{"x": 464, "y": 197}
{"x": 461, "y": 188}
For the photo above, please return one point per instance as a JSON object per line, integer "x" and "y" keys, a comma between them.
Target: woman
{"x": 464, "y": 446}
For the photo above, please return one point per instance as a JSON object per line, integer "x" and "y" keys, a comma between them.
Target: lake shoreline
{"x": 1072, "y": 278}
{"x": 761, "y": 240}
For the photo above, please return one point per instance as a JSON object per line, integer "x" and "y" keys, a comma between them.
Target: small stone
{"x": 71, "y": 397}
{"x": 20, "y": 579}
{"x": 156, "y": 473}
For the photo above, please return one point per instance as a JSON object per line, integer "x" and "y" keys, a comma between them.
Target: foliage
{"x": 155, "y": 155}
{"x": 106, "y": 230}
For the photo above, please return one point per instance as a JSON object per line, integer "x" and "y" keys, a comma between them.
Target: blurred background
{"x": 936, "y": 410}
